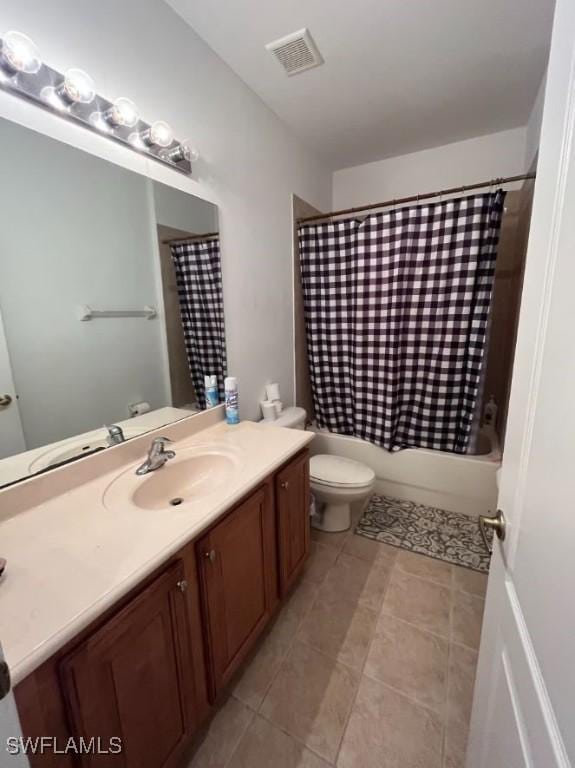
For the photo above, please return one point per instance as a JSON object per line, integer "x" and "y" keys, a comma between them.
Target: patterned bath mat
{"x": 448, "y": 536}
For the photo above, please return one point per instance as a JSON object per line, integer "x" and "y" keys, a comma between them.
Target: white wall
{"x": 190, "y": 214}
{"x": 251, "y": 163}
{"x": 533, "y": 131}
{"x": 75, "y": 230}
{"x": 464, "y": 162}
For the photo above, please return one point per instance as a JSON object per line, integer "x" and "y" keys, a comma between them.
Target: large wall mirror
{"x": 111, "y": 308}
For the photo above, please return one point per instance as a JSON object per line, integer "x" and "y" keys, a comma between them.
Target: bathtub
{"x": 455, "y": 482}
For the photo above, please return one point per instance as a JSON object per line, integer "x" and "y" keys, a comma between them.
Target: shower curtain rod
{"x": 416, "y": 198}
{"x": 191, "y": 239}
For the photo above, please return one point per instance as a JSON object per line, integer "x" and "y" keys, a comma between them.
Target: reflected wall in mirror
{"x": 79, "y": 234}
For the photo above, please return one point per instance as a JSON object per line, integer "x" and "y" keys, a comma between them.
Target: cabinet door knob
{"x": 284, "y": 484}
{"x": 182, "y": 585}
{"x": 211, "y": 555}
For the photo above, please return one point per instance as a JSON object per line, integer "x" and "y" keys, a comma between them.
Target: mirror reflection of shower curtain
{"x": 199, "y": 279}
{"x": 396, "y": 310}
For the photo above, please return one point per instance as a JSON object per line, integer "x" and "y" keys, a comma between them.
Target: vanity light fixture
{"x": 73, "y": 95}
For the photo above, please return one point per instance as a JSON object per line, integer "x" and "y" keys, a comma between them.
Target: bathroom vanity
{"x": 180, "y": 618}
{"x": 128, "y": 602}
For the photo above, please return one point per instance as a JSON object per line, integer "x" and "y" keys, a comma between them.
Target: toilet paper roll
{"x": 268, "y": 410}
{"x": 273, "y": 391}
{"x": 137, "y": 409}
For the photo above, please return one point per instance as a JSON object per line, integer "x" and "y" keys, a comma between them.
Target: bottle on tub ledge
{"x": 211, "y": 391}
{"x": 490, "y": 413}
{"x": 232, "y": 400}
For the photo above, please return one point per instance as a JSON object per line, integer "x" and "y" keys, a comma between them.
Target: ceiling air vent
{"x": 296, "y": 52}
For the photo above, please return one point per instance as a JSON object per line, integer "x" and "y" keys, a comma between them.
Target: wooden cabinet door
{"x": 133, "y": 679}
{"x": 239, "y": 583}
{"x": 292, "y": 500}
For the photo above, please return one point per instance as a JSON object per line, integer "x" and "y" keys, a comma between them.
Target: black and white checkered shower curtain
{"x": 199, "y": 280}
{"x": 396, "y": 309}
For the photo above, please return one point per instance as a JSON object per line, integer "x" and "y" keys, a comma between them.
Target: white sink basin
{"x": 194, "y": 473}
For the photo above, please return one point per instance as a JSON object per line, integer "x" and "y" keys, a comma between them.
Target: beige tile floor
{"x": 370, "y": 664}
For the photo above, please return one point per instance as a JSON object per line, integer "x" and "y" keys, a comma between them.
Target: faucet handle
{"x": 161, "y": 440}
{"x": 157, "y": 456}
{"x": 159, "y": 447}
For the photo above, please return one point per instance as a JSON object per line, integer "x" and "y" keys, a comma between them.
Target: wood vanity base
{"x": 150, "y": 670}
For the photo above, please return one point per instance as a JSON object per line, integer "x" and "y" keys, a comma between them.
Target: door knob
{"x": 182, "y": 585}
{"x": 496, "y": 523}
{"x": 5, "y": 401}
{"x": 284, "y": 484}
{"x": 211, "y": 555}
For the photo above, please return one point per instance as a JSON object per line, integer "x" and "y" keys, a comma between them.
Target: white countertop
{"x": 70, "y": 558}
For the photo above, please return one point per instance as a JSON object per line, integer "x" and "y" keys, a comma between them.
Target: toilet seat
{"x": 339, "y": 472}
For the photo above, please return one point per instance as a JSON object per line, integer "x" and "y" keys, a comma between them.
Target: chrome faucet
{"x": 115, "y": 435}
{"x": 157, "y": 456}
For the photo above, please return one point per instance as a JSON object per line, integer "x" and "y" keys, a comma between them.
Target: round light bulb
{"x": 189, "y": 152}
{"x": 78, "y": 87}
{"x": 161, "y": 134}
{"x": 123, "y": 113}
{"x": 20, "y": 54}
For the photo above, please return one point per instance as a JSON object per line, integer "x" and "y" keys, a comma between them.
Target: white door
{"x": 11, "y": 433}
{"x": 524, "y": 704}
{"x": 10, "y": 754}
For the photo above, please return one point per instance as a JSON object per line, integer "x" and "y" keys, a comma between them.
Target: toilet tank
{"x": 292, "y": 418}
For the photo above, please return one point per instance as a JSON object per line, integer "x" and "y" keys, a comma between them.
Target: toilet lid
{"x": 336, "y": 470}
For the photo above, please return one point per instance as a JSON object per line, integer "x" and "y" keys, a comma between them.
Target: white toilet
{"x": 336, "y": 482}
{"x": 292, "y": 418}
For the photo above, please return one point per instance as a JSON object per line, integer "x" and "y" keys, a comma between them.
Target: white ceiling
{"x": 399, "y": 75}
